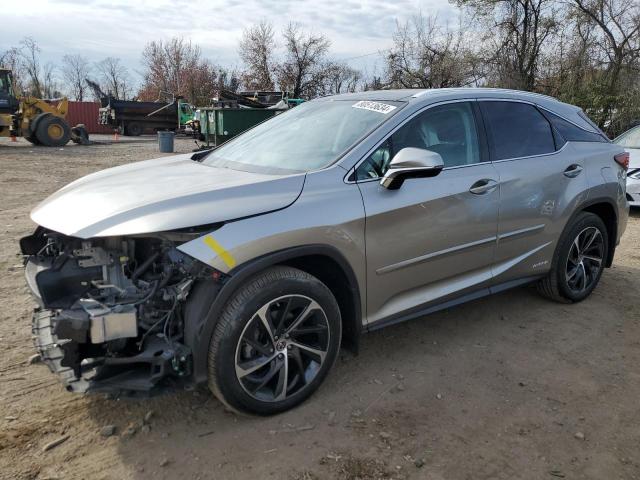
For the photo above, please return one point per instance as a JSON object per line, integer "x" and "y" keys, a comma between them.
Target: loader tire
{"x": 31, "y": 133}
{"x": 32, "y": 139}
{"x": 53, "y": 131}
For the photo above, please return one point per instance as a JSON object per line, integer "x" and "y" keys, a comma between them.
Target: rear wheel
{"x": 133, "y": 129}
{"x": 275, "y": 342}
{"x": 53, "y": 131}
{"x": 578, "y": 261}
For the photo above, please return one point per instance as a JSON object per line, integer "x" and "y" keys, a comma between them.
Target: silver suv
{"x": 247, "y": 267}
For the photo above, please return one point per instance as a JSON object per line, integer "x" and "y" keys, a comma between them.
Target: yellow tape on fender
{"x": 226, "y": 257}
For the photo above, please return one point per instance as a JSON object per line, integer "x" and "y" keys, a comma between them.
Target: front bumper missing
{"x": 51, "y": 353}
{"x": 158, "y": 367}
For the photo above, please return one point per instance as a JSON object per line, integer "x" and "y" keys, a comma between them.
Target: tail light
{"x": 622, "y": 159}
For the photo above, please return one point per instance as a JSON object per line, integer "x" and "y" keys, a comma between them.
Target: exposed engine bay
{"x": 111, "y": 314}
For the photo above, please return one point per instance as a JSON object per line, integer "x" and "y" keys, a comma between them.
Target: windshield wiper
{"x": 201, "y": 155}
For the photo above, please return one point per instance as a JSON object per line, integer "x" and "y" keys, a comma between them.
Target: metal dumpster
{"x": 220, "y": 124}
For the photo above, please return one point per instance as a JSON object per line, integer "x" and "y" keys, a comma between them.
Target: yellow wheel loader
{"x": 38, "y": 121}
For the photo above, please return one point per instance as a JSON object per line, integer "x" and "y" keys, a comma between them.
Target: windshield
{"x": 630, "y": 138}
{"x": 308, "y": 137}
{"x": 5, "y": 85}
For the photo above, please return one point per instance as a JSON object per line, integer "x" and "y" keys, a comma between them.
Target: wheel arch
{"x": 326, "y": 263}
{"x": 606, "y": 210}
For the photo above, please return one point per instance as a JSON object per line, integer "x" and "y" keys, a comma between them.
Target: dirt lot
{"x": 506, "y": 387}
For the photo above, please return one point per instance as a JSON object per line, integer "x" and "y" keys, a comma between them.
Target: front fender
{"x": 327, "y": 219}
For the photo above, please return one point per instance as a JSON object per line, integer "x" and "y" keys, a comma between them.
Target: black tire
{"x": 281, "y": 292}
{"x": 32, "y": 139}
{"x": 563, "y": 283}
{"x": 133, "y": 129}
{"x": 30, "y": 134}
{"x": 53, "y": 131}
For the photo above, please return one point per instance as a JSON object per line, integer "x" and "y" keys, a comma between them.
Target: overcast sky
{"x": 102, "y": 28}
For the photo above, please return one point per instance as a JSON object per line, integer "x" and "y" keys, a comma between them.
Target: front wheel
{"x": 275, "y": 342}
{"x": 578, "y": 261}
{"x": 53, "y": 131}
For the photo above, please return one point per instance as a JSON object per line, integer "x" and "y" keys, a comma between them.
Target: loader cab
{"x": 8, "y": 101}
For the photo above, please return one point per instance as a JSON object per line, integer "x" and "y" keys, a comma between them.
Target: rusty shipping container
{"x": 87, "y": 114}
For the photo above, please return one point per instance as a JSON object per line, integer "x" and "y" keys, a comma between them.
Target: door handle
{"x": 483, "y": 186}
{"x": 573, "y": 171}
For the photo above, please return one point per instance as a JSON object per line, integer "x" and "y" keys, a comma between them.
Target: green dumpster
{"x": 220, "y": 124}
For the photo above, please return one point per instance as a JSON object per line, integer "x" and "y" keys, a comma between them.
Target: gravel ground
{"x": 508, "y": 387}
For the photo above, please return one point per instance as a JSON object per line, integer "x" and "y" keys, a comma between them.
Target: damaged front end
{"x": 112, "y": 310}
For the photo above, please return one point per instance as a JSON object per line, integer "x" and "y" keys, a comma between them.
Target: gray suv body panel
{"x": 425, "y": 244}
{"x": 459, "y": 216}
{"x": 431, "y": 241}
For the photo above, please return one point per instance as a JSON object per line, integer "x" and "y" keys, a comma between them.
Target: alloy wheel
{"x": 585, "y": 260}
{"x": 282, "y": 348}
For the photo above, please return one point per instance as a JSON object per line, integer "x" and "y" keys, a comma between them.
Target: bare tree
{"x": 177, "y": 67}
{"x": 428, "y": 55}
{"x": 201, "y": 84}
{"x": 616, "y": 51}
{"x": 49, "y": 83}
{"x": 619, "y": 23}
{"x": 114, "y": 77}
{"x": 30, "y": 53}
{"x": 300, "y": 73}
{"x": 517, "y": 32}
{"x": 256, "y": 51}
{"x": 374, "y": 82}
{"x": 339, "y": 78}
{"x": 167, "y": 63}
{"x": 75, "y": 69}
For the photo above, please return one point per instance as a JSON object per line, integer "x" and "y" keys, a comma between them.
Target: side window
{"x": 517, "y": 129}
{"x": 449, "y": 130}
{"x": 572, "y": 133}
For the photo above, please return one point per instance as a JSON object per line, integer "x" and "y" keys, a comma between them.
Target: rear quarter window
{"x": 571, "y": 132}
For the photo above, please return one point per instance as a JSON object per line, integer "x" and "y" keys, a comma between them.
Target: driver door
{"x": 433, "y": 239}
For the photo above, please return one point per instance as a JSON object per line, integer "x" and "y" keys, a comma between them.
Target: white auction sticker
{"x": 374, "y": 106}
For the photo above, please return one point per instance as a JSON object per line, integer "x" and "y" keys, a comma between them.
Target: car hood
{"x": 160, "y": 195}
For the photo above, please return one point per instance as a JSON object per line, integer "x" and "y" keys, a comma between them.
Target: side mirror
{"x": 411, "y": 163}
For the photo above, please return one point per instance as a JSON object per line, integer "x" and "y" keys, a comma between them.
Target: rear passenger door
{"x": 541, "y": 180}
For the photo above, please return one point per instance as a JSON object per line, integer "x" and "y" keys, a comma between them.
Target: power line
{"x": 379, "y": 52}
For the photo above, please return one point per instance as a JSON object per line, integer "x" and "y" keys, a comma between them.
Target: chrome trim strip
{"x": 532, "y": 156}
{"x": 522, "y": 231}
{"x": 457, "y": 248}
{"x": 428, "y": 256}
